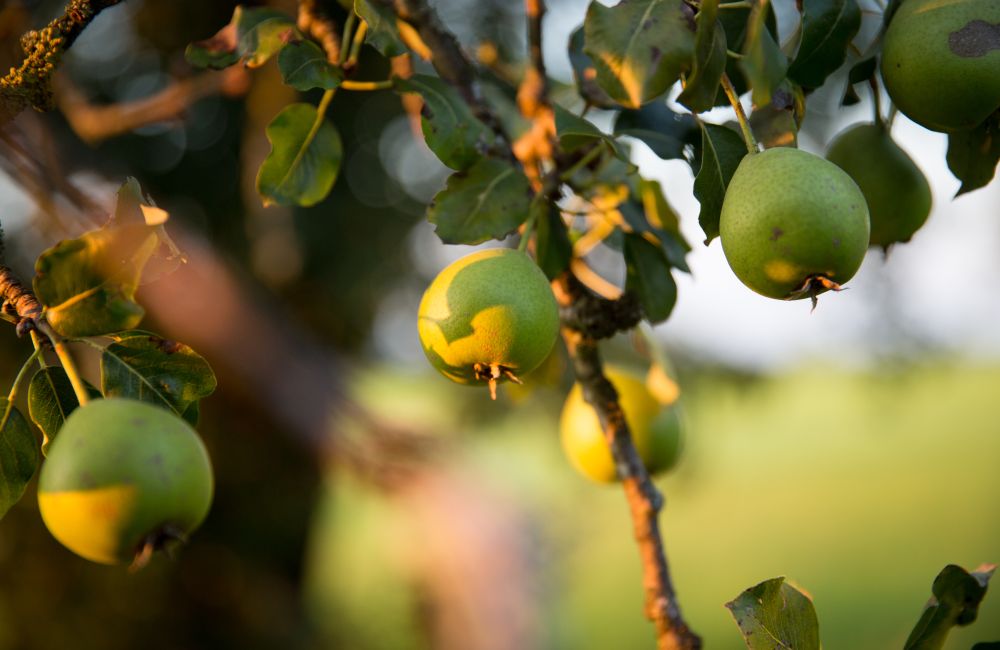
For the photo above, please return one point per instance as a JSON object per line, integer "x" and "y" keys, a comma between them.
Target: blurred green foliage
{"x": 859, "y": 487}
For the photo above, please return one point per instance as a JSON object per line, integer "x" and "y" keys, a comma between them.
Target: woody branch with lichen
{"x": 30, "y": 84}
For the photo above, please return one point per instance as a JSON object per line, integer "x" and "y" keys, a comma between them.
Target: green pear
{"x": 793, "y": 224}
{"x": 898, "y": 195}
{"x": 941, "y": 62}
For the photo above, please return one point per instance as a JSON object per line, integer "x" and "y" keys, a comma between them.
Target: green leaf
{"x": 648, "y": 276}
{"x": 304, "y": 158}
{"x": 87, "y": 285}
{"x": 664, "y": 131}
{"x": 955, "y": 602}
{"x": 265, "y": 39}
{"x": 576, "y": 133}
{"x": 143, "y": 366}
{"x": 827, "y": 29}
{"x": 383, "y": 34}
{"x": 217, "y": 52}
{"x": 721, "y": 152}
{"x": 50, "y": 401}
{"x": 452, "y": 132}
{"x": 553, "y": 249}
{"x": 256, "y": 33}
{"x": 18, "y": 458}
{"x": 664, "y": 222}
{"x": 487, "y": 201}
{"x": 859, "y": 72}
{"x": 639, "y": 47}
{"x": 862, "y": 71}
{"x": 973, "y": 155}
{"x": 777, "y": 124}
{"x": 585, "y": 74}
{"x": 763, "y": 61}
{"x": 775, "y": 615}
{"x": 304, "y": 66}
{"x": 709, "y": 60}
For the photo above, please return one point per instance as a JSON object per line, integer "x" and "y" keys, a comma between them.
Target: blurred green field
{"x": 857, "y": 487}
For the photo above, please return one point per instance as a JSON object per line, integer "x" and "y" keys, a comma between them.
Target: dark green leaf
{"x": 973, "y": 155}
{"x": 304, "y": 66}
{"x": 382, "y": 34}
{"x": 827, "y": 29}
{"x": 663, "y": 131}
{"x": 303, "y": 164}
{"x": 648, "y": 276}
{"x": 664, "y": 222}
{"x": 585, "y": 74}
{"x": 777, "y": 124}
{"x": 575, "y": 132}
{"x": 87, "y": 285}
{"x": 862, "y": 71}
{"x": 763, "y": 62}
{"x": 146, "y": 367}
{"x": 50, "y": 401}
{"x": 639, "y": 47}
{"x": 709, "y": 60}
{"x": 18, "y": 458}
{"x": 452, "y": 132}
{"x": 775, "y": 615}
{"x": 721, "y": 152}
{"x": 487, "y": 201}
{"x": 553, "y": 250}
{"x": 987, "y": 645}
{"x": 956, "y": 598}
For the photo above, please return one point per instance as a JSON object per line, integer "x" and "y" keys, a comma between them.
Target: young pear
{"x": 897, "y": 192}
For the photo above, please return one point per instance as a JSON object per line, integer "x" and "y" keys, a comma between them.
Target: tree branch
{"x": 94, "y": 123}
{"x": 448, "y": 58}
{"x": 586, "y": 319}
{"x": 314, "y": 20}
{"x": 31, "y": 83}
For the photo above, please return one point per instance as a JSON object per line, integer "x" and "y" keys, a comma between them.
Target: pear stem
{"x": 741, "y": 115}
{"x": 66, "y": 359}
{"x": 876, "y": 101}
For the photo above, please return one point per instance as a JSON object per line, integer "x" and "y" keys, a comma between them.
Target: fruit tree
{"x": 542, "y": 171}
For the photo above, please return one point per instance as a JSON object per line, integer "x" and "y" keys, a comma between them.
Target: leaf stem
{"x": 359, "y": 39}
{"x": 59, "y": 345}
{"x": 735, "y": 5}
{"x": 346, "y": 38}
{"x": 12, "y": 395}
{"x": 876, "y": 101}
{"x": 741, "y": 116}
{"x": 348, "y": 84}
{"x": 529, "y": 227}
{"x": 588, "y": 158}
{"x": 35, "y": 341}
{"x": 735, "y": 55}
